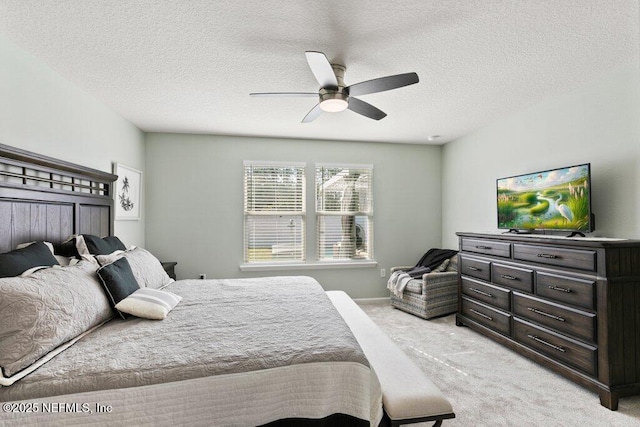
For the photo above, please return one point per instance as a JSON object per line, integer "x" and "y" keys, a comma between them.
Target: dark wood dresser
{"x": 572, "y": 305}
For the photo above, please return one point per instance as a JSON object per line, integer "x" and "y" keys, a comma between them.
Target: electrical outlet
{"x": 383, "y": 272}
{"x": 203, "y": 276}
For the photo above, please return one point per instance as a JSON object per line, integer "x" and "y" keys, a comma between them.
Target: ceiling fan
{"x": 334, "y": 96}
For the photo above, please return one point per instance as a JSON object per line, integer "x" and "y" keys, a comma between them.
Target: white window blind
{"x": 274, "y": 212}
{"x": 344, "y": 212}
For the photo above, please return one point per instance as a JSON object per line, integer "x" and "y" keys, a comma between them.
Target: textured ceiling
{"x": 189, "y": 66}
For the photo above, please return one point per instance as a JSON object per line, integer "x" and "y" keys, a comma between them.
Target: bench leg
{"x": 438, "y": 423}
{"x": 386, "y": 421}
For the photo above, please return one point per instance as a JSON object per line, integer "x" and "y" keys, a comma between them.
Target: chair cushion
{"x": 453, "y": 264}
{"x": 442, "y": 267}
{"x": 414, "y": 286}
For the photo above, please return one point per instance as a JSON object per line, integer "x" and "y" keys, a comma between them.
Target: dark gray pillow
{"x": 94, "y": 245}
{"x": 18, "y": 261}
{"x": 118, "y": 281}
{"x": 103, "y": 246}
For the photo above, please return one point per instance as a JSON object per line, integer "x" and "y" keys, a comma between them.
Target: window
{"x": 274, "y": 212}
{"x": 344, "y": 212}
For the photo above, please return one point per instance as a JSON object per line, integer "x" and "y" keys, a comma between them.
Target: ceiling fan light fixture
{"x": 334, "y": 105}
{"x": 333, "y": 101}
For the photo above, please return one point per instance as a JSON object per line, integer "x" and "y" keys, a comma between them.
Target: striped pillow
{"x": 149, "y": 303}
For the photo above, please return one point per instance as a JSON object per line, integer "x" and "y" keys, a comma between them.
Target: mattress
{"x": 233, "y": 352}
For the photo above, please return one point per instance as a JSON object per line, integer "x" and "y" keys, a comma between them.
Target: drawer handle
{"x": 484, "y": 247}
{"x": 552, "y": 256}
{"x": 481, "y": 314}
{"x": 477, "y": 291}
{"x": 541, "y": 341}
{"x": 508, "y": 277}
{"x": 542, "y": 313}
{"x": 557, "y": 288}
{"x": 473, "y": 268}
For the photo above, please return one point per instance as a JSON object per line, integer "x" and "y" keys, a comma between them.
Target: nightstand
{"x": 170, "y": 268}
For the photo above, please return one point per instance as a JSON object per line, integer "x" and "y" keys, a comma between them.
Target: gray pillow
{"x": 146, "y": 268}
{"x": 41, "y": 311}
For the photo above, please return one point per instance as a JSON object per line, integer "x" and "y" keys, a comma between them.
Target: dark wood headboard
{"x": 42, "y": 198}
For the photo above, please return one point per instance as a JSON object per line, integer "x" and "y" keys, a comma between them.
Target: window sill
{"x": 318, "y": 265}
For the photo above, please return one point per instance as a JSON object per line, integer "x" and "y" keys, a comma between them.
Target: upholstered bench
{"x": 408, "y": 396}
{"x": 434, "y": 294}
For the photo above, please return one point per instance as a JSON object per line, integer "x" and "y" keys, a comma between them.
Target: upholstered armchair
{"x": 434, "y": 294}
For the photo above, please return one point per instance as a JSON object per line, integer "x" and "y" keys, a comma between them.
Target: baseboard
{"x": 382, "y": 300}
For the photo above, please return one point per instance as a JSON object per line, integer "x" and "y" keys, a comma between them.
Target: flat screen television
{"x": 556, "y": 199}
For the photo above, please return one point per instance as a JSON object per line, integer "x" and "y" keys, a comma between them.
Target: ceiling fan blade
{"x": 322, "y": 70}
{"x": 313, "y": 114}
{"x": 284, "y": 94}
{"x": 365, "y": 109}
{"x": 383, "y": 83}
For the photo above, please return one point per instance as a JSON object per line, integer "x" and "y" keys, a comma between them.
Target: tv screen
{"x": 557, "y": 199}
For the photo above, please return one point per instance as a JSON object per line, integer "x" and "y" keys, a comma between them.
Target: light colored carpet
{"x": 490, "y": 385}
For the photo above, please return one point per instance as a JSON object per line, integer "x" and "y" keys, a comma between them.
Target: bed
{"x": 268, "y": 351}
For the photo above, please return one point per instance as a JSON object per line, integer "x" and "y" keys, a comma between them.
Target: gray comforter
{"x": 220, "y": 327}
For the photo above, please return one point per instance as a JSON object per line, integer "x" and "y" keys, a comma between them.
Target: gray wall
{"x": 194, "y": 203}
{"x": 41, "y": 111}
{"x": 598, "y": 124}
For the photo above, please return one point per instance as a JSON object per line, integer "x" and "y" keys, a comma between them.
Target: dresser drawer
{"x": 487, "y": 316}
{"x": 580, "y": 324}
{"x": 487, "y": 247}
{"x": 569, "y": 290}
{"x": 475, "y": 268}
{"x": 556, "y": 346}
{"x": 512, "y": 277}
{"x": 570, "y": 258}
{"x": 490, "y": 294}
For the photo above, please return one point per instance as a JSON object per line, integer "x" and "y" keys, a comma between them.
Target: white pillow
{"x": 149, "y": 303}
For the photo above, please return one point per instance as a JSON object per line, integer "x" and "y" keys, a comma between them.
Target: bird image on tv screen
{"x": 557, "y": 199}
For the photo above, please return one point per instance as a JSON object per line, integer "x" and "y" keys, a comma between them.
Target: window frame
{"x": 309, "y": 246}
{"x": 321, "y": 212}
{"x": 249, "y": 213}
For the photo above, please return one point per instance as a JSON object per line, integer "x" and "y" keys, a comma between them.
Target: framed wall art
{"x": 128, "y": 192}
